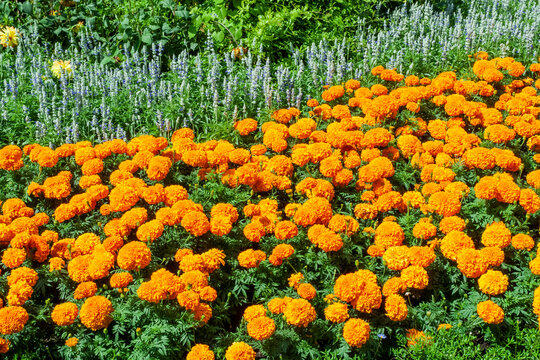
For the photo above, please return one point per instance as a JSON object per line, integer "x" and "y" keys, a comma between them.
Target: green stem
{"x": 229, "y": 31}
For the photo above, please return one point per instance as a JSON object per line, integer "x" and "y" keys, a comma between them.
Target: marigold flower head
{"x": 522, "y": 242}
{"x": 299, "y": 312}
{"x": 416, "y": 337}
{"x": 85, "y": 290}
{"x": 254, "y": 311}
{"x": 306, "y": 291}
{"x": 454, "y": 242}
{"x": 490, "y": 312}
{"x": 421, "y": 256}
{"x": 56, "y": 263}
{"x": 471, "y": 262}
{"x": 251, "y": 258}
{"x": 196, "y": 223}
{"x": 493, "y": 254}
{"x": 277, "y": 305}
{"x": 19, "y": 293}
{"x": 95, "y": 313}
{"x": 246, "y": 126}
{"x": 396, "y": 257}
{"x": 394, "y": 285}
{"x": 23, "y": 274}
{"x": 496, "y": 234}
{"x": 261, "y": 328}
{"x": 240, "y": 351}
{"x": 4, "y": 345}
{"x": 356, "y": 332}
{"x": 65, "y": 314}
{"x": 13, "y": 257}
{"x": 396, "y": 307}
{"x": 134, "y": 255}
{"x": 120, "y": 280}
{"x": 388, "y": 234}
{"x": 415, "y": 277}
{"x": 12, "y": 319}
{"x": 200, "y": 352}
{"x": 493, "y": 283}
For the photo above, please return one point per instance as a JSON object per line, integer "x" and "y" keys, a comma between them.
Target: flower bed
{"x": 388, "y": 212}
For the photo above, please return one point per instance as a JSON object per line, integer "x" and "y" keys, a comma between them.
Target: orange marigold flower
{"x": 493, "y": 254}
{"x": 254, "y": 231}
{"x": 10, "y": 158}
{"x": 85, "y": 290}
{"x": 277, "y": 305}
{"x": 333, "y": 93}
{"x": 450, "y": 223}
{"x": 246, "y": 126}
{"x": 529, "y": 200}
{"x": 251, "y": 258}
{"x": 261, "y": 328}
{"x": 196, "y": 223}
{"x": 306, "y": 291}
{"x": 56, "y": 263}
{"x": 493, "y": 283}
{"x": 64, "y": 314}
{"x": 471, "y": 262}
{"x": 415, "y": 277}
{"x": 421, "y": 256}
{"x": 213, "y": 259}
{"x": 120, "y": 280}
{"x": 344, "y": 224}
{"x": 299, "y": 312}
{"x": 396, "y": 307}
{"x": 490, "y": 312}
{"x": 454, "y": 242}
{"x": 356, "y": 332}
{"x": 496, "y": 234}
{"x": 13, "y": 257}
{"x": 336, "y": 312}
{"x": 424, "y": 230}
{"x": 188, "y": 299}
{"x": 4, "y": 345}
{"x": 445, "y": 204}
{"x": 254, "y": 311}
{"x": 200, "y": 352}
{"x": 480, "y": 158}
{"x": 281, "y": 252}
{"x": 396, "y": 257}
{"x": 158, "y": 168}
{"x": 285, "y": 230}
{"x": 394, "y": 285}
{"x": 240, "y": 351}
{"x": 312, "y": 103}
{"x": 72, "y": 342}
{"x": 78, "y": 268}
{"x": 523, "y": 242}
{"x": 388, "y": 234}
{"x": 96, "y": 312}
{"x": 416, "y": 337}
{"x": 150, "y": 231}
{"x": 12, "y": 319}
{"x": 19, "y": 293}
{"x": 134, "y": 255}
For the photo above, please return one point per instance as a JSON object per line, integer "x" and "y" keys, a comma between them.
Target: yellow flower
{"x": 9, "y": 36}
{"x": 61, "y": 66}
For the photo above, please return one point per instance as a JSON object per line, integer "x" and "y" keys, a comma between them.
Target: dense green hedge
{"x": 277, "y": 26}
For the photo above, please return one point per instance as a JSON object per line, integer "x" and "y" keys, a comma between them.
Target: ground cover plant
{"x": 350, "y": 230}
{"x": 336, "y": 205}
